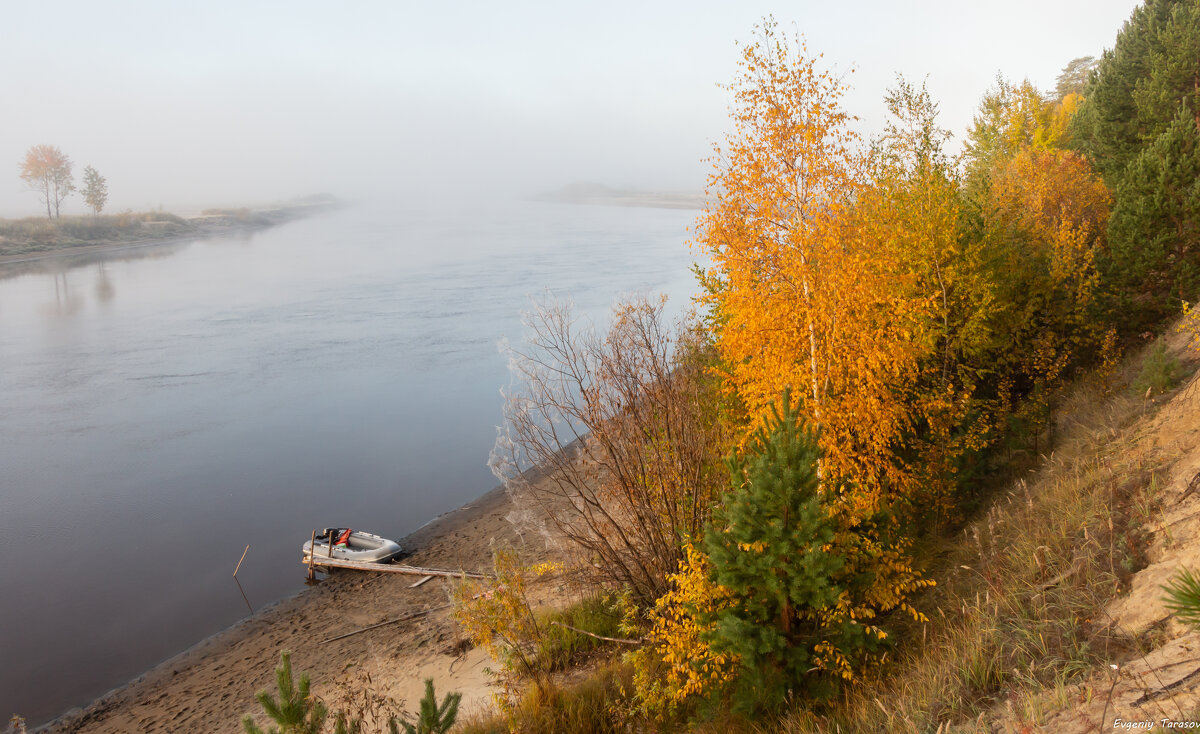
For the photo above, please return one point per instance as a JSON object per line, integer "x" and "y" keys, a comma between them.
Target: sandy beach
{"x": 209, "y": 687}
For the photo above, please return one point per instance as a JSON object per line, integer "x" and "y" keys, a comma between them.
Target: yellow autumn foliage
{"x": 677, "y": 661}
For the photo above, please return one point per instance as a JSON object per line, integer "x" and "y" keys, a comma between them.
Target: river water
{"x": 161, "y": 408}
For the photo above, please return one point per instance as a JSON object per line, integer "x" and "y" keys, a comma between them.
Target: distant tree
{"x": 47, "y": 170}
{"x": 95, "y": 189}
{"x": 1074, "y": 76}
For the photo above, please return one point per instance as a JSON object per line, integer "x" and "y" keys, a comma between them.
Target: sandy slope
{"x": 1160, "y": 679}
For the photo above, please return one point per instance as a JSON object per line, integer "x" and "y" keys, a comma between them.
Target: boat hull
{"x": 363, "y": 548}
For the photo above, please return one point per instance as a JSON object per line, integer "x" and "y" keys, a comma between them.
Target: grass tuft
{"x": 560, "y": 647}
{"x": 596, "y": 703}
{"x": 1160, "y": 371}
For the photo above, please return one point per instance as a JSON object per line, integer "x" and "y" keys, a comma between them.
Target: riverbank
{"x": 210, "y": 686}
{"x": 34, "y": 239}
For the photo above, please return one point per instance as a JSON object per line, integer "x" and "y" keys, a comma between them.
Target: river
{"x": 163, "y": 407}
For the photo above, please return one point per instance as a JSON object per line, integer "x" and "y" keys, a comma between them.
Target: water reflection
{"x": 104, "y": 285}
{"x": 66, "y": 260}
{"x": 66, "y": 302}
{"x": 242, "y": 591}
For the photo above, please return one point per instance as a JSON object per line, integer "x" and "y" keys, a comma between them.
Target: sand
{"x": 209, "y": 687}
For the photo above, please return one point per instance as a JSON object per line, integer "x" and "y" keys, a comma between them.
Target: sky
{"x": 190, "y": 105}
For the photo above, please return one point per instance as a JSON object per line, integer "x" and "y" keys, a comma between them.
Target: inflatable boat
{"x": 352, "y": 545}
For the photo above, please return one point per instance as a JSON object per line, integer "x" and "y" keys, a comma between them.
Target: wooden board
{"x": 390, "y": 568}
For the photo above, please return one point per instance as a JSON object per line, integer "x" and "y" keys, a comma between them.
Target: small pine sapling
{"x": 1183, "y": 597}
{"x": 342, "y": 725}
{"x": 296, "y": 711}
{"x": 434, "y": 719}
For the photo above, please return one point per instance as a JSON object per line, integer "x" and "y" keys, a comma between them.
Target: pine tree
{"x": 806, "y": 578}
{"x": 1154, "y": 232}
{"x": 1112, "y": 126}
{"x": 1172, "y": 72}
{"x": 769, "y": 543}
{"x": 1074, "y": 76}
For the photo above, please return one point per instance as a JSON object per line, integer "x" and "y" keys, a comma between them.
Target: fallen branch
{"x": 599, "y": 637}
{"x": 1151, "y": 695}
{"x": 405, "y": 618}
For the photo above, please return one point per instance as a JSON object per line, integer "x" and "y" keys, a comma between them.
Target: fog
{"x": 222, "y": 104}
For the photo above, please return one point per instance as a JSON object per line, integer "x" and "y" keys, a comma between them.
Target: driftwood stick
{"x": 598, "y": 637}
{"x": 405, "y": 618}
{"x": 1075, "y": 568}
{"x": 239, "y": 566}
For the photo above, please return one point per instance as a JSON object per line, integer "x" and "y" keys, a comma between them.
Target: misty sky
{"x": 229, "y": 103}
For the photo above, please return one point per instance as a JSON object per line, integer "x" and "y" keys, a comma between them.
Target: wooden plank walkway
{"x": 390, "y": 568}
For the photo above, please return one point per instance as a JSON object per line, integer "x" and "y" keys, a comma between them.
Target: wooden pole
{"x": 239, "y": 566}
{"x": 312, "y": 554}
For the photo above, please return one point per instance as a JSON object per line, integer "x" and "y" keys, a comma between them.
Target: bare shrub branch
{"x": 613, "y": 440}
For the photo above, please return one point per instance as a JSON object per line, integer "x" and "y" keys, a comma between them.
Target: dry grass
{"x": 37, "y": 234}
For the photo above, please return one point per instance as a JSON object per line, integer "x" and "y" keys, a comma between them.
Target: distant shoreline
{"x": 593, "y": 194}
{"x": 151, "y": 230}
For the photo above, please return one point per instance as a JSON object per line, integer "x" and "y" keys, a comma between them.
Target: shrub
{"x": 560, "y": 644}
{"x": 623, "y": 427}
